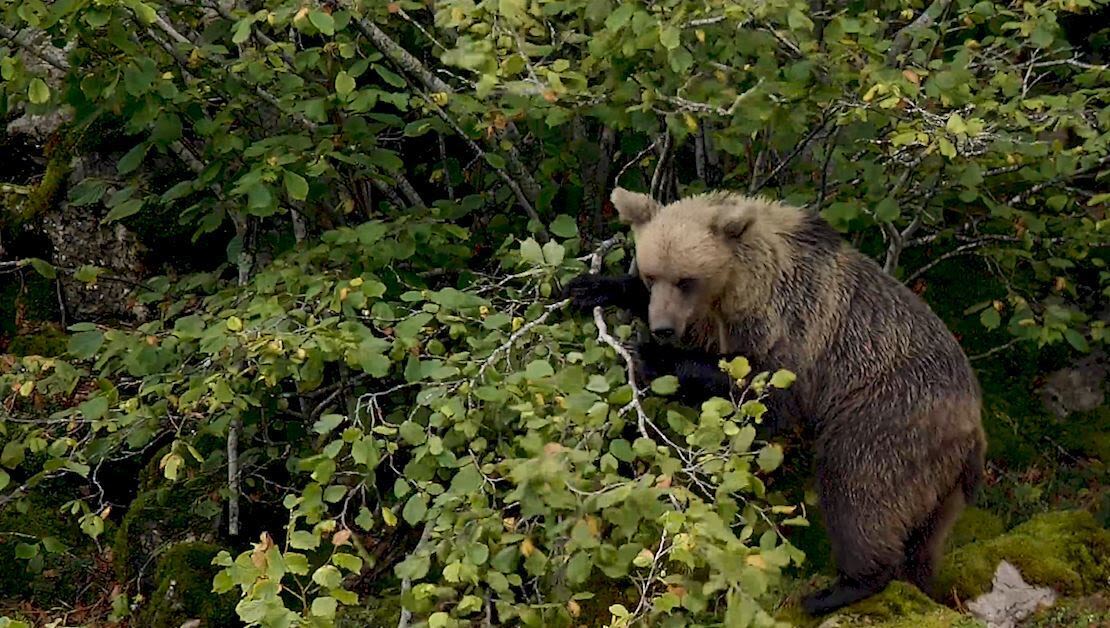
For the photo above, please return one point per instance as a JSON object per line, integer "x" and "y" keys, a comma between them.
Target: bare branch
{"x": 797, "y": 150}
{"x": 964, "y": 249}
{"x": 521, "y": 197}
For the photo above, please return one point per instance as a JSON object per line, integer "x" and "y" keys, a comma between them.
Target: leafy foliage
{"x": 400, "y": 188}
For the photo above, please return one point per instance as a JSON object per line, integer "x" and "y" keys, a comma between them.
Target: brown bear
{"x": 883, "y": 387}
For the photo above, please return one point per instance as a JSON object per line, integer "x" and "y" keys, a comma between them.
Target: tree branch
{"x": 904, "y": 37}
{"x": 47, "y": 53}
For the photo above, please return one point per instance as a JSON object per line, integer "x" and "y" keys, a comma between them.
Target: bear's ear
{"x": 732, "y": 223}
{"x": 634, "y": 208}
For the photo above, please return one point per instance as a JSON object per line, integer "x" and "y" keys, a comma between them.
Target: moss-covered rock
{"x": 49, "y": 578}
{"x": 900, "y": 605}
{"x": 1067, "y": 551}
{"x": 159, "y": 517}
{"x": 49, "y": 341}
{"x": 974, "y": 524}
{"x": 183, "y": 590}
{"x": 1082, "y": 612}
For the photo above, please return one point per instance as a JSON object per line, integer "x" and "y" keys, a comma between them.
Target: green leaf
{"x": 564, "y": 226}
{"x": 295, "y": 185}
{"x": 467, "y": 481}
{"x": 328, "y": 576}
{"x": 324, "y": 607}
{"x": 350, "y": 562}
{"x": 303, "y": 540}
{"x": 538, "y": 369}
{"x": 530, "y": 250}
{"x": 887, "y": 210}
{"x": 1076, "y": 340}
{"x": 84, "y": 345}
{"x": 259, "y": 196}
{"x": 322, "y": 21}
{"x": 770, "y": 457}
{"x": 956, "y": 124}
{"x": 344, "y": 83}
{"x": 738, "y": 368}
{"x": 327, "y": 423}
{"x": 622, "y": 450}
{"x": 37, "y": 92}
{"x": 188, "y": 326}
{"x": 620, "y": 16}
{"x": 990, "y": 318}
{"x": 167, "y": 129}
{"x": 94, "y": 408}
{"x": 495, "y": 160}
{"x": 744, "y": 439}
{"x": 391, "y": 78}
{"x": 92, "y": 525}
{"x": 26, "y": 551}
{"x": 87, "y": 192}
{"x": 415, "y": 509}
{"x": 783, "y": 378}
{"x": 51, "y": 544}
{"x": 144, "y": 12}
{"x": 553, "y": 253}
{"x": 87, "y": 274}
{"x": 5, "y": 479}
{"x": 130, "y": 207}
{"x": 666, "y": 385}
{"x": 43, "y": 268}
{"x": 670, "y": 37}
{"x": 412, "y": 432}
{"x": 242, "y": 30}
{"x": 132, "y": 159}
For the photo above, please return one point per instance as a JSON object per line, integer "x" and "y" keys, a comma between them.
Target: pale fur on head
{"x": 733, "y": 243}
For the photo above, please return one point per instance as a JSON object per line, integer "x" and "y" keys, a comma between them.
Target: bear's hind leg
{"x": 846, "y": 591}
{"x": 867, "y": 557}
{"x": 925, "y": 544}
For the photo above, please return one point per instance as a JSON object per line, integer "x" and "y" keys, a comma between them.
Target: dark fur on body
{"x": 882, "y": 385}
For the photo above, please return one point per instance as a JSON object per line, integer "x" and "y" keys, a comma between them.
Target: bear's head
{"x": 706, "y": 259}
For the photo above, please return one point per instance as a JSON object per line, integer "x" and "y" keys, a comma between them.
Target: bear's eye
{"x": 686, "y": 284}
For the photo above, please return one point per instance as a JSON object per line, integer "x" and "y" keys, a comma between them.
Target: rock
{"x": 1011, "y": 599}
{"x": 1080, "y": 387}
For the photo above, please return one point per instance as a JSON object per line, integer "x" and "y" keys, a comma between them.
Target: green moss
{"x": 377, "y": 610}
{"x": 975, "y": 524}
{"x": 157, "y": 517}
{"x": 1067, "y": 551}
{"x": 47, "y": 193}
{"x": 183, "y": 590}
{"x": 48, "y": 341}
{"x": 59, "y": 577}
{"x": 1083, "y": 612}
{"x": 900, "y": 605}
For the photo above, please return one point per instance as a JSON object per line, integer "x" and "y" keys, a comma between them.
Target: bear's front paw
{"x": 588, "y": 291}
{"x": 652, "y": 361}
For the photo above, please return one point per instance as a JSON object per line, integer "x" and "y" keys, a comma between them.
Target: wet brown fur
{"x": 884, "y": 386}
